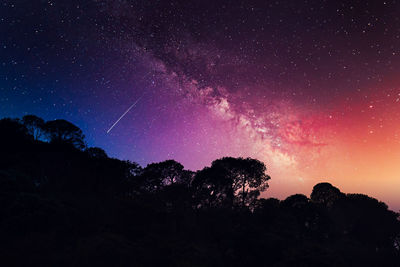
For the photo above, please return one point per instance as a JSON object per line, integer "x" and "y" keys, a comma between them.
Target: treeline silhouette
{"x": 64, "y": 204}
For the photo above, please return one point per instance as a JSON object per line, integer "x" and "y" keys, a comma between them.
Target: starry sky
{"x": 311, "y": 88}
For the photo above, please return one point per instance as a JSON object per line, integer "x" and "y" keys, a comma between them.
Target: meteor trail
{"x": 115, "y": 123}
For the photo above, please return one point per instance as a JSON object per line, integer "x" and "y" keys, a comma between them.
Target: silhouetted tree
{"x": 305, "y": 213}
{"x": 248, "y": 176}
{"x": 159, "y": 175}
{"x": 366, "y": 219}
{"x": 326, "y": 194}
{"x": 212, "y": 187}
{"x": 35, "y": 125}
{"x": 65, "y": 132}
{"x": 229, "y": 178}
{"x": 296, "y": 201}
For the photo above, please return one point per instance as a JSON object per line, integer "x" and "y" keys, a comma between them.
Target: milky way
{"x": 312, "y": 88}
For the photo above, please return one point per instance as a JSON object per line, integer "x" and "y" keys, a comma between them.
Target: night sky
{"x": 311, "y": 88}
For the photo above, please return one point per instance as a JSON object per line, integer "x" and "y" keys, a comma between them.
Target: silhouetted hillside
{"x": 64, "y": 204}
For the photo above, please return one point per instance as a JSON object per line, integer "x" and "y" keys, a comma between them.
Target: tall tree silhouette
{"x": 62, "y": 131}
{"x": 35, "y": 125}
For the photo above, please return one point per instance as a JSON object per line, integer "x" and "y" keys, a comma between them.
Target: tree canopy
{"x": 233, "y": 180}
{"x": 35, "y": 126}
{"x": 62, "y": 131}
{"x": 325, "y": 193}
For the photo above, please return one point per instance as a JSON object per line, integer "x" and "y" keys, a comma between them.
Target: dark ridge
{"x": 64, "y": 204}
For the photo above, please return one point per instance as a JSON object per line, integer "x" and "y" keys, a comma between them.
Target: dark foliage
{"x": 34, "y": 125}
{"x": 62, "y": 131}
{"x": 66, "y": 205}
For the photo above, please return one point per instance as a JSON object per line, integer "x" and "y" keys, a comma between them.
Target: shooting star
{"x": 115, "y": 123}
